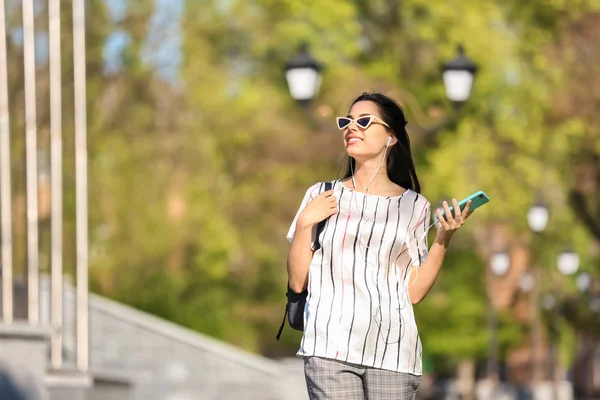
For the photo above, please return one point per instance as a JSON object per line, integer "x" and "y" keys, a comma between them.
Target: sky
{"x": 163, "y": 44}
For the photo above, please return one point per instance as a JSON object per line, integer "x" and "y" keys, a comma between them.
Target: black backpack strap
{"x": 282, "y": 323}
{"x": 328, "y": 186}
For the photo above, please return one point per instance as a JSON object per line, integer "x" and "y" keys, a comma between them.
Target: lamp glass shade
{"x": 458, "y": 85}
{"x": 304, "y": 83}
{"x": 500, "y": 263}
{"x": 568, "y": 262}
{"x": 584, "y": 281}
{"x": 537, "y": 218}
{"x": 526, "y": 283}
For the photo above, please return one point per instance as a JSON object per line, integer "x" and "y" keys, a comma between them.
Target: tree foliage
{"x": 195, "y": 177}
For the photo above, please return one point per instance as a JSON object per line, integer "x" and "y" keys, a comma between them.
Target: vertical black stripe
{"x": 417, "y": 244}
{"x": 400, "y": 308}
{"x": 309, "y": 297}
{"x": 354, "y": 274}
{"x": 412, "y": 214}
{"x": 410, "y": 263}
{"x": 378, "y": 291}
{"x": 406, "y": 298}
{"x": 417, "y": 235}
{"x": 408, "y": 269}
{"x": 416, "y": 347}
{"x": 426, "y": 219}
{"x": 367, "y": 284}
{"x": 407, "y": 275}
{"x": 422, "y": 234}
{"x": 389, "y": 265}
{"x": 331, "y": 267}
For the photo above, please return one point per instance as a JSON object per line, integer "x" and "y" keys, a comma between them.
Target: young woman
{"x": 360, "y": 338}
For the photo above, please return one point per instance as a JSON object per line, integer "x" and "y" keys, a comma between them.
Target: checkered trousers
{"x": 328, "y": 379}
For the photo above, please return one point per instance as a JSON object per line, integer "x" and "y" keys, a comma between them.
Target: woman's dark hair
{"x": 400, "y": 165}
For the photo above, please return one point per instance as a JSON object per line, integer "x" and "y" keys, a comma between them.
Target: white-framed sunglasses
{"x": 362, "y": 122}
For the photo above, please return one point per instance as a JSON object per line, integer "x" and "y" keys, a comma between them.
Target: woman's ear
{"x": 392, "y": 140}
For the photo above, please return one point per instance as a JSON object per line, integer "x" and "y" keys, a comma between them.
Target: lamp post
{"x": 499, "y": 265}
{"x": 550, "y": 303}
{"x": 583, "y": 369}
{"x": 537, "y": 218}
{"x": 568, "y": 264}
{"x": 303, "y": 75}
{"x": 458, "y": 75}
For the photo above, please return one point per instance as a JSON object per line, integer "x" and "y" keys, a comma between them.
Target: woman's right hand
{"x": 321, "y": 207}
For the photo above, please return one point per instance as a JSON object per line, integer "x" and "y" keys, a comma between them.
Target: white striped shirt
{"x": 358, "y": 309}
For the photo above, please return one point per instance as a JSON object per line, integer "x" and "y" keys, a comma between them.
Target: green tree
{"x": 194, "y": 179}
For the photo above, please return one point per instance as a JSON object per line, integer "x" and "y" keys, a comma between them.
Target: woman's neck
{"x": 371, "y": 178}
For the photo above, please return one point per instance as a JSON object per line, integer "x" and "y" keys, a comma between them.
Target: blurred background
{"x": 154, "y": 152}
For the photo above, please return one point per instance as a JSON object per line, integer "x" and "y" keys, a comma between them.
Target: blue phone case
{"x": 477, "y": 200}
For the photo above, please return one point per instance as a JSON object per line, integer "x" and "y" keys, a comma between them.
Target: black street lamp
{"x": 303, "y": 75}
{"x": 458, "y": 75}
{"x": 584, "y": 281}
{"x": 526, "y": 282}
{"x": 499, "y": 266}
{"x": 568, "y": 262}
{"x": 537, "y": 219}
{"x": 500, "y": 263}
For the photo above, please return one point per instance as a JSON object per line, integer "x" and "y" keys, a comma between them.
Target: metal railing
{"x": 31, "y": 134}
{"x": 5, "y": 196}
{"x": 56, "y": 318}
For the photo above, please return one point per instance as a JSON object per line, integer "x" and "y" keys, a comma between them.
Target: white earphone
{"x": 389, "y": 140}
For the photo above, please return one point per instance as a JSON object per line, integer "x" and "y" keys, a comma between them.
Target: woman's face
{"x": 370, "y": 142}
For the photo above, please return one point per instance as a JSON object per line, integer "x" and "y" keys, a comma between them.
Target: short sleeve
{"x": 311, "y": 193}
{"x": 416, "y": 242}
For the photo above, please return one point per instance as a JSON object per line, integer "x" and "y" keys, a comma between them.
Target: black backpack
{"x": 294, "y": 309}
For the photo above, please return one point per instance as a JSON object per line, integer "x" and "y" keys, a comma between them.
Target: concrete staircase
{"x": 137, "y": 356}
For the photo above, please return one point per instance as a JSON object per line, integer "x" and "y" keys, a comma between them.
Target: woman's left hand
{"x": 450, "y": 224}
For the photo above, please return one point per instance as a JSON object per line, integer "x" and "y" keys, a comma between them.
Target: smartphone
{"x": 477, "y": 200}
